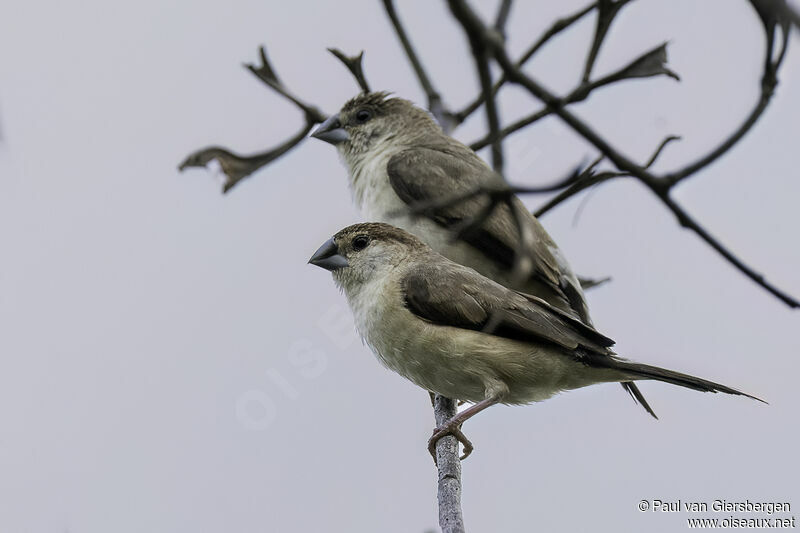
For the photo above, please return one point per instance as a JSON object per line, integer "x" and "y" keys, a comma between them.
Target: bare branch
{"x": 657, "y": 153}
{"x": 511, "y": 128}
{"x": 607, "y": 10}
{"x": 684, "y": 219}
{"x": 580, "y": 185}
{"x": 435, "y": 103}
{"x": 448, "y": 465}
{"x": 574, "y": 176}
{"x": 267, "y": 74}
{"x": 688, "y": 222}
{"x": 651, "y": 63}
{"x": 492, "y": 117}
{"x": 557, "y": 27}
{"x": 481, "y": 56}
{"x": 588, "y": 178}
{"x": 355, "y": 65}
{"x": 237, "y": 167}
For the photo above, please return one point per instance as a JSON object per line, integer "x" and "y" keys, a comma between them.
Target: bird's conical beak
{"x": 327, "y": 257}
{"x": 331, "y": 131}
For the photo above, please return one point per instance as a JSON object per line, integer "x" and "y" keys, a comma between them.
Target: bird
{"x": 454, "y": 332}
{"x": 398, "y": 158}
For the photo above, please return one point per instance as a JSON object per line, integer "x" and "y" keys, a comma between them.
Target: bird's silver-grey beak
{"x": 331, "y": 131}
{"x": 327, "y": 256}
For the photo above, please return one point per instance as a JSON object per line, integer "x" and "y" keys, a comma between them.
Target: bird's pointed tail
{"x": 637, "y": 371}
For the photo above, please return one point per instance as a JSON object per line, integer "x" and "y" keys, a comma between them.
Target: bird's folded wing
{"x": 423, "y": 176}
{"x": 449, "y": 294}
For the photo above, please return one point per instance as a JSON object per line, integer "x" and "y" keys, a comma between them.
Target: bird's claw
{"x": 444, "y": 431}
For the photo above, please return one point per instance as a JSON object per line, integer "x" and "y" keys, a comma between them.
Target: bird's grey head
{"x": 363, "y": 252}
{"x": 373, "y": 120}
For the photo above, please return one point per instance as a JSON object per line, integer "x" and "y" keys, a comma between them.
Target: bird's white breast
{"x": 410, "y": 346}
{"x": 369, "y": 182}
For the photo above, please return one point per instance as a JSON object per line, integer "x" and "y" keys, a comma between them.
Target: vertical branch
{"x": 449, "y": 467}
{"x": 481, "y": 53}
{"x": 355, "y": 65}
{"x": 435, "y": 104}
{"x": 485, "y": 76}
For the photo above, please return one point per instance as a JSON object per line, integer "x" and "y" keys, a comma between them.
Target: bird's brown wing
{"x": 434, "y": 173}
{"x": 449, "y": 294}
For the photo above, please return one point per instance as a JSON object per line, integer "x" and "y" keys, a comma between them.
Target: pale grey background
{"x": 139, "y": 308}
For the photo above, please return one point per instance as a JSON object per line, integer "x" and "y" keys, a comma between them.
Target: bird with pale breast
{"x": 398, "y": 158}
{"x": 453, "y": 331}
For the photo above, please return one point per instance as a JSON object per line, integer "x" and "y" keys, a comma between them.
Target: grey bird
{"x": 454, "y": 332}
{"x": 398, "y": 158}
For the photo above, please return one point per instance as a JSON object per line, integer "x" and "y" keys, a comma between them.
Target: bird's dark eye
{"x": 363, "y": 115}
{"x": 360, "y": 242}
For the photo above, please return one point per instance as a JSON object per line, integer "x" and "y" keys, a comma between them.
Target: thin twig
{"x": 589, "y": 178}
{"x": 574, "y": 189}
{"x": 492, "y": 117}
{"x": 589, "y": 283}
{"x": 237, "y": 167}
{"x": 657, "y": 153}
{"x": 267, "y": 74}
{"x": 435, "y": 104}
{"x": 355, "y": 65}
{"x": 481, "y": 56}
{"x": 651, "y": 63}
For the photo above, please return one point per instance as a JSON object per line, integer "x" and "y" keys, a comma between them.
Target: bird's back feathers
{"x": 439, "y": 171}
{"x": 450, "y": 294}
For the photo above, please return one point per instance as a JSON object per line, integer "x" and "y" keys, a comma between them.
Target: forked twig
{"x": 355, "y": 65}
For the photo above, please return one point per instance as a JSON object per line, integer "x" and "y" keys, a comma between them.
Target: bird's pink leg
{"x": 453, "y": 427}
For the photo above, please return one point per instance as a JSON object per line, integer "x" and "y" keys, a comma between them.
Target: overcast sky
{"x": 169, "y": 363}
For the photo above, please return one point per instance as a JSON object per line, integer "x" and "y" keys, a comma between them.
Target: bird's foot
{"x": 450, "y": 428}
